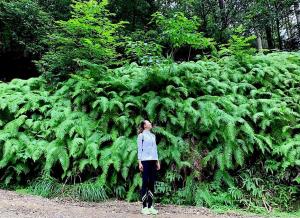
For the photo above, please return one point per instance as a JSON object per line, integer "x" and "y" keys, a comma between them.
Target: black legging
{"x": 149, "y": 177}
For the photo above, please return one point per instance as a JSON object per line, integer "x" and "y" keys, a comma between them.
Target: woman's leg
{"x": 152, "y": 178}
{"x": 145, "y": 183}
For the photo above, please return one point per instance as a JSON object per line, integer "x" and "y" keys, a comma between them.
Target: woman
{"x": 148, "y": 164}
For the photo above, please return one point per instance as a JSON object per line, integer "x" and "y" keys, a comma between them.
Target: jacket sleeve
{"x": 139, "y": 143}
{"x": 156, "y": 147}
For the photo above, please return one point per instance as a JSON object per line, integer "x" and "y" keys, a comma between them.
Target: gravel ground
{"x": 14, "y": 205}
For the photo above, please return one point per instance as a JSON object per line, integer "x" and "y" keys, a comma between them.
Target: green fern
{"x": 216, "y": 123}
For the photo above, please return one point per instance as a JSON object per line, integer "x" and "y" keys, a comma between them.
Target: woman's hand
{"x": 157, "y": 165}
{"x": 140, "y": 166}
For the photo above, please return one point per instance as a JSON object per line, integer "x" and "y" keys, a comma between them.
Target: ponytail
{"x": 141, "y": 127}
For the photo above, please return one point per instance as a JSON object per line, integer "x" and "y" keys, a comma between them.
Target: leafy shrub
{"x": 214, "y": 121}
{"x": 89, "y": 36}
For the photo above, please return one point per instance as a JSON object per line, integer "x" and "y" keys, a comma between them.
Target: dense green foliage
{"x": 275, "y": 23}
{"x": 18, "y": 33}
{"x": 227, "y": 120}
{"x": 180, "y": 31}
{"x": 88, "y": 37}
{"x": 229, "y": 134}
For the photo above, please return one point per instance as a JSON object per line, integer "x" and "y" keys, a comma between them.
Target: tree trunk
{"x": 222, "y": 6}
{"x": 287, "y": 26}
{"x": 259, "y": 41}
{"x": 133, "y": 23}
{"x": 278, "y": 33}
{"x": 297, "y": 13}
{"x": 190, "y": 48}
{"x": 269, "y": 37}
{"x": 277, "y": 22}
{"x": 203, "y": 13}
{"x": 223, "y": 13}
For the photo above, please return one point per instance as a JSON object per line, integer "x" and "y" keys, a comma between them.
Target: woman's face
{"x": 148, "y": 124}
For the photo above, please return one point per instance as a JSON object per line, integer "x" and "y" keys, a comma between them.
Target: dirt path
{"x": 14, "y": 205}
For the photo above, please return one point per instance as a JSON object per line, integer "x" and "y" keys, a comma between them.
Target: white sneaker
{"x": 153, "y": 211}
{"x": 145, "y": 211}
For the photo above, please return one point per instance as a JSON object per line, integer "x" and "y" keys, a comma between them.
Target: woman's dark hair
{"x": 142, "y": 127}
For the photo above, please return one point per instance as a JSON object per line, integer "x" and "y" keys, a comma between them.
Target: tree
{"x": 59, "y": 9}
{"x": 297, "y": 13}
{"x": 180, "y": 31}
{"x": 88, "y": 37}
{"x": 23, "y": 26}
{"x": 136, "y": 12}
{"x": 238, "y": 46}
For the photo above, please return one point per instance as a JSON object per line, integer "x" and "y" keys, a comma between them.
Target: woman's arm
{"x": 157, "y": 162}
{"x": 139, "y": 143}
{"x": 157, "y": 165}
